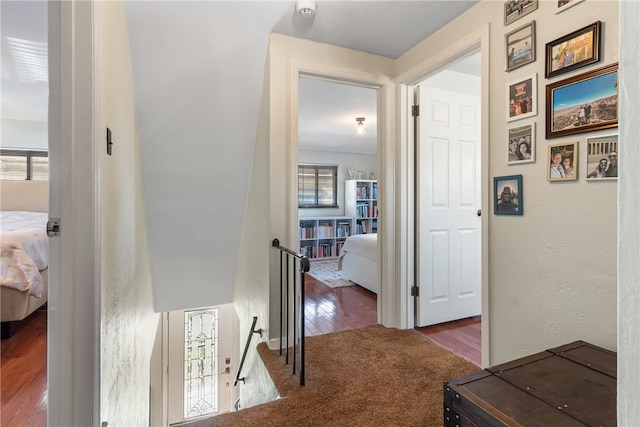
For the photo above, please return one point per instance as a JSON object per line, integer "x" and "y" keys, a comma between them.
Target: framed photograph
{"x": 516, "y": 9}
{"x": 562, "y": 5}
{"x": 573, "y": 51}
{"x": 563, "y": 161}
{"x": 521, "y": 46}
{"x": 522, "y": 144}
{"x": 507, "y": 195}
{"x": 602, "y": 158}
{"x": 521, "y": 98}
{"x": 583, "y": 103}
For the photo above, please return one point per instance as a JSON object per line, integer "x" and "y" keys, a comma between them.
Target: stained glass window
{"x": 200, "y": 362}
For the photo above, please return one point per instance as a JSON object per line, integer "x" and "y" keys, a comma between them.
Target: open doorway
{"x": 448, "y": 202}
{"x": 338, "y": 202}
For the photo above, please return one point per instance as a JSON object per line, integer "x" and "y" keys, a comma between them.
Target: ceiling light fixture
{"x": 306, "y": 8}
{"x": 360, "y": 129}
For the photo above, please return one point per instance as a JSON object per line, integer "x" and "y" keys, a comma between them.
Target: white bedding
{"x": 24, "y": 250}
{"x": 365, "y": 245}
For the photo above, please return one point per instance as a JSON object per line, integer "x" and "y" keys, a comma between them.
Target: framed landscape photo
{"x": 516, "y": 9}
{"x": 583, "y": 103}
{"x": 521, "y": 98}
{"x": 522, "y": 144}
{"x": 563, "y": 161}
{"x": 521, "y": 46}
{"x": 507, "y": 195}
{"x": 602, "y": 158}
{"x": 573, "y": 51}
{"x": 562, "y": 5}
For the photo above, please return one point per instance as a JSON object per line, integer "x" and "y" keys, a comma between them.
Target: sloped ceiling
{"x": 198, "y": 73}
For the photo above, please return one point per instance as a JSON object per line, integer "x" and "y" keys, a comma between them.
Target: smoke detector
{"x": 306, "y": 8}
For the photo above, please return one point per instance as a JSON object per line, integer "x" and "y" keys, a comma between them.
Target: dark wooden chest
{"x": 571, "y": 385}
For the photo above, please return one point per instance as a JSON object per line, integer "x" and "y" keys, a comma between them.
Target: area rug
{"x": 327, "y": 272}
{"x": 371, "y": 376}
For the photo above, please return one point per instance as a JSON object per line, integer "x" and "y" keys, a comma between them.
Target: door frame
{"x": 477, "y": 40}
{"x": 387, "y": 297}
{"x": 73, "y": 324}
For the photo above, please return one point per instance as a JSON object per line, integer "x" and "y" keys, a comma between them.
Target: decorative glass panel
{"x": 201, "y": 362}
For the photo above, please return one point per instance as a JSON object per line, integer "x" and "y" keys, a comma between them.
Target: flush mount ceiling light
{"x": 360, "y": 129}
{"x": 306, "y": 8}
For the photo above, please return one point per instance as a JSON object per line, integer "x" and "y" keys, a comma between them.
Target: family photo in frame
{"x": 602, "y": 157}
{"x": 521, "y": 98}
{"x": 563, "y": 161}
{"x": 522, "y": 144}
{"x": 573, "y": 51}
{"x": 507, "y": 196}
{"x": 583, "y": 103}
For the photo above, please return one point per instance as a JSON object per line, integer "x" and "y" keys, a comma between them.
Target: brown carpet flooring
{"x": 372, "y": 376}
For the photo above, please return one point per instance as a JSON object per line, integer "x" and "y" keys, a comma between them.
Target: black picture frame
{"x": 507, "y": 195}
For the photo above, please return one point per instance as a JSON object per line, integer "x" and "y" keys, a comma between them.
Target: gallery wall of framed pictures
{"x": 578, "y": 94}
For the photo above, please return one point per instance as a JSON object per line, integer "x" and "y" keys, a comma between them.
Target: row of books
{"x": 323, "y": 250}
{"x": 366, "y": 210}
{"x": 325, "y": 231}
{"x": 367, "y": 226}
{"x": 362, "y": 191}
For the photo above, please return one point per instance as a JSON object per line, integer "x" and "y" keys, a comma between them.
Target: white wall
{"x": 24, "y": 134}
{"x": 552, "y": 272}
{"x": 128, "y": 326}
{"x": 251, "y": 297}
{"x": 629, "y": 227}
{"x": 360, "y": 162}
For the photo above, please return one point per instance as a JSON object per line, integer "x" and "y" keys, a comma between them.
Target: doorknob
{"x": 479, "y": 212}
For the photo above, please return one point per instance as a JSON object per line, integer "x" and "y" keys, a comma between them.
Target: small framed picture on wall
{"x": 602, "y": 158}
{"x": 522, "y": 144}
{"x": 516, "y": 9}
{"x": 562, "y": 5}
{"x": 507, "y": 195}
{"x": 521, "y": 46}
{"x": 521, "y": 98}
{"x": 563, "y": 161}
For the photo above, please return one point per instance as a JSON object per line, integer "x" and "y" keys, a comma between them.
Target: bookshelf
{"x": 361, "y": 203}
{"x": 323, "y": 237}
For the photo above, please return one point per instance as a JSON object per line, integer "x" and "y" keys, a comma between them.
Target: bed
{"x": 23, "y": 252}
{"x": 359, "y": 261}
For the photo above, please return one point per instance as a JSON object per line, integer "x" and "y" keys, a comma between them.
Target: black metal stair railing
{"x": 246, "y": 348}
{"x": 290, "y": 288}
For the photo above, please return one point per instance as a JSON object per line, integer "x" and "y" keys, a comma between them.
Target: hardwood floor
{"x": 23, "y": 374}
{"x": 333, "y": 310}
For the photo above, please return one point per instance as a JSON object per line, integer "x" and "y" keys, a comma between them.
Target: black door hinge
{"x": 415, "y": 111}
{"x": 415, "y": 292}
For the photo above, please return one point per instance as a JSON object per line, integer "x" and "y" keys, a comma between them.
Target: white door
{"x": 448, "y": 198}
{"x": 201, "y": 366}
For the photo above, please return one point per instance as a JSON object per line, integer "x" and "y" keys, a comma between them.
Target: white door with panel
{"x": 448, "y": 200}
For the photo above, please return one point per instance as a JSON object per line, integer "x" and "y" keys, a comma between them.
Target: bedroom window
{"x": 20, "y": 165}
{"x": 317, "y": 186}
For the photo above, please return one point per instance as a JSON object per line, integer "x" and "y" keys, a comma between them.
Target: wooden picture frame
{"x": 583, "y": 103}
{"x": 522, "y": 95}
{"x": 573, "y": 51}
{"x": 602, "y": 158}
{"x": 507, "y": 195}
{"x": 562, "y": 161}
{"x": 562, "y": 5}
{"x": 521, "y": 144}
{"x": 521, "y": 46}
{"x": 516, "y": 9}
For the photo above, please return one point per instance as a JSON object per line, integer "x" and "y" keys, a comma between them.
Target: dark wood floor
{"x": 23, "y": 374}
{"x": 333, "y": 310}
